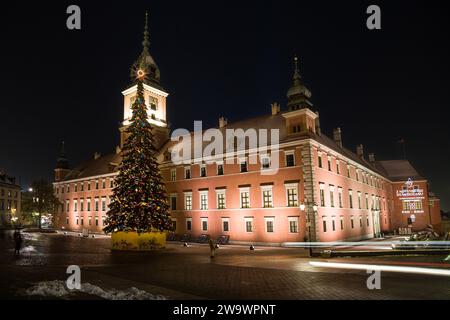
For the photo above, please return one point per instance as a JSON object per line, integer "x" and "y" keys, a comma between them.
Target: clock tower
{"x": 154, "y": 95}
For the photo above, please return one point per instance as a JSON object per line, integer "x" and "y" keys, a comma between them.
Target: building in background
{"x": 322, "y": 192}
{"x": 9, "y": 200}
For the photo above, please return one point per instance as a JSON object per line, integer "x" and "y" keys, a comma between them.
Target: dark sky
{"x": 225, "y": 57}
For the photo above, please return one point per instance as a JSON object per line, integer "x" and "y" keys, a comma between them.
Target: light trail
{"x": 373, "y": 267}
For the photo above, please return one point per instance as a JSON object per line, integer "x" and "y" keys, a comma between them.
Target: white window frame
{"x": 241, "y": 191}
{"x": 290, "y": 186}
{"x": 293, "y": 219}
{"x": 226, "y": 220}
{"x": 249, "y": 219}
{"x": 219, "y": 192}
{"x": 201, "y": 194}
{"x": 266, "y": 188}
{"x": 269, "y": 219}
{"x": 190, "y": 172}
{"x": 173, "y": 174}
{"x": 200, "y": 170}
{"x": 187, "y": 194}
{"x": 288, "y": 153}
{"x": 203, "y": 219}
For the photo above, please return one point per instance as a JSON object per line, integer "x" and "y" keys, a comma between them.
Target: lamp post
{"x": 308, "y": 221}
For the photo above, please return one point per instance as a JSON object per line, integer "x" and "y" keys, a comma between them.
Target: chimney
{"x": 337, "y": 136}
{"x": 222, "y": 122}
{"x": 372, "y": 157}
{"x": 318, "y": 131}
{"x": 360, "y": 150}
{"x": 275, "y": 108}
{"x": 97, "y": 155}
{"x": 118, "y": 150}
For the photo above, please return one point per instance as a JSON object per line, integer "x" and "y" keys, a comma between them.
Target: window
{"x": 324, "y": 223}
{"x": 320, "y": 160}
{"x": 68, "y": 190}
{"x": 103, "y": 221}
{"x": 265, "y": 162}
{"x": 292, "y": 197}
{"x": 188, "y": 201}
{"x": 269, "y": 224}
{"x": 267, "y": 197}
{"x": 359, "y": 200}
{"x": 204, "y": 224}
{"x": 96, "y": 221}
{"x": 188, "y": 224}
{"x": 96, "y": 204}
{"x": 348, "y": 171}
{"x": 332, "y": 195}
{"x": 173, "y": 202}
{"x": 82, "y": 186}
{"x": 82, "y": 221}
{"x": 103, "y": 204}
{"x": 340, "y": 196}
{"x": 245, "y": 198}
{"x": 360, "y": 222}
{"x": 203, "y": 171}
{"x": 67, "y": 220}
{"x": 203, "y": 200}
{"x": 81, "y": 205}
{"x": 248, "y": 224}
{"x": 350, "y": 198}
{"x": 352, "y": 222}
{"x": 104, "y": 183}
{"x": 333, "y": 224}
{"x": 67, "y": 205}
{"x": 90, "y": 220}
{"x": 174, "y": 224}
{"x": 96, "y": 184}
{"x": 225, "y": 224}
{"x": 111, "y": 183}
{"x": 220, "y": 199}
{"x": 75, "y": 187}
{"x": 322, "y": 194}
{"x": 329, "y": 163}
{"x": 76, "y": 220}
{"x": 290, "y": 159}
{"x": 75, "y": 205}
{"x": 173, "y": 174}
{"x": 367, "y": 221}
{"x": 293, "y": 224}
{"x": 220, "y": 169}
{"x": 89, "y": 204}
{"x": 338, "y": 170}
{"x": 342, "y": 222}
{"x": 367, "y": 201}
{"x": 244, "y": 167}
{"x": 89, "y": 185}
{"x": 187, "y": 173}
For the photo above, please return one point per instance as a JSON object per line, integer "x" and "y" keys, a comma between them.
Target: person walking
{"x": 212, "y": 248}
{"x": 17, "y": 241}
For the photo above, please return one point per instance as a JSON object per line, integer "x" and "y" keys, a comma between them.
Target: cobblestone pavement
{"x": 189, "y": 273}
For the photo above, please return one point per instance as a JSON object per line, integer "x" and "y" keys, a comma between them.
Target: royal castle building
{"x": 321, "y": 192}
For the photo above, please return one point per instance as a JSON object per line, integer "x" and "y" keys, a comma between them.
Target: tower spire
{"x": 146, "y": 42}
{"x": 298, "y": 95}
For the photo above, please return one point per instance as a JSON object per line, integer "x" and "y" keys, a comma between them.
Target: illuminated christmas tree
{"x": 139, "y": 201}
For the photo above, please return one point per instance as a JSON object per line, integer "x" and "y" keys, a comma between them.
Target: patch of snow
{"x": 59, "y": 289}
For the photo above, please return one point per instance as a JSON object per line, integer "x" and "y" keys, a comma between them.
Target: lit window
{"x": 203, "y": 200}
{"x": 220, "y": 199}
{"x": 173, "y": 174}
{"x": 322, "y": 194}
{"x": 332, "y": 196}
{"x": 267, "y": 197}
{"x": 292, "y": 196}
{"x": 188, "y": 201}
{"x": 245, "y": 198}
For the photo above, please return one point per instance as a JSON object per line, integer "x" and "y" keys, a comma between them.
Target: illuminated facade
{"x": 10, "y": 196}
{"x": 322, "y": 191}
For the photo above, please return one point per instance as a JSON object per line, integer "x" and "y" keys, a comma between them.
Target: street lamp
{"x": 302, "y": 208}
{"x": 30, "y": 189}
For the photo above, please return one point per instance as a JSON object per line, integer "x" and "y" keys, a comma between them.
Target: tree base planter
{"x": 132, "y": 241}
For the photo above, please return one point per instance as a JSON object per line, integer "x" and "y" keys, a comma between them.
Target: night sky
{"x": 230, "y": 58}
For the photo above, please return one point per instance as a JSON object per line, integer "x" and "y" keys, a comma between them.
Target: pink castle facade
{"x": 321, "y": 192}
